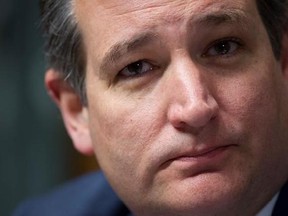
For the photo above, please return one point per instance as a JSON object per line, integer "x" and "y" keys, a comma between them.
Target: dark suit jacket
{"x": 91, "y": 195}
{"x": 281, "y": 207}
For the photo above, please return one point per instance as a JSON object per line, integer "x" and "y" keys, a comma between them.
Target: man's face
{"x": 187, "y": 104}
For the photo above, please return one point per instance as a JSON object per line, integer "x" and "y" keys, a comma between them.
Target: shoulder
{"x": 86, "y": 196}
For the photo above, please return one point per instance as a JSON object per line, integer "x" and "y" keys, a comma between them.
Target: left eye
{"x": 136, "y": 68}
{"x": 222, "y": 48}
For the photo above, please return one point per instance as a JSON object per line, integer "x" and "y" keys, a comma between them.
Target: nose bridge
{"x": 189, "y": 84}
{"x": 191, "y": 103}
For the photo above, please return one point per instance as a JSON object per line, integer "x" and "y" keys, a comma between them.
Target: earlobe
{"x": 74, "y": 114}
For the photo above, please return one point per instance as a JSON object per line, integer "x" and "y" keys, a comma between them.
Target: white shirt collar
{"x": 268, "y": 209}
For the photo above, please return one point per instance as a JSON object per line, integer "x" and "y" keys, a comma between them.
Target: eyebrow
{"x": 123, "y": 47}
{"x": 139, "y": 40}
{"x": 220, "y": 17}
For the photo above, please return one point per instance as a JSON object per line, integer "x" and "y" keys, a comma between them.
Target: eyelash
{"x": 235, "y": 41}
{"x": 149, "y": 67}
{"x": 124, "y": 73}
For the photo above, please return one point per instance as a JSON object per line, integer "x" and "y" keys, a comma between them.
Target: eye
{"x": 136, "y": 68}
{"x": 223, "y": 48}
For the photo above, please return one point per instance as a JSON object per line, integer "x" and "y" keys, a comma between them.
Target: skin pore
{"x": 187, "y": 105}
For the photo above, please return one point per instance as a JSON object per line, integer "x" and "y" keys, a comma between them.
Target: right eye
{"x": 136, "y": 68}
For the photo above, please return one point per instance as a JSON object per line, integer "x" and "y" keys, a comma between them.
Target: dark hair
{"x": 65, "y": 53}
{"x": 63, "y": 44}
{"x": 274, "y": 15}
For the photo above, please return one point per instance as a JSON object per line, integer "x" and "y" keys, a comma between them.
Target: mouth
{"x": 205, "y": 157}
{"x": 204, "y": 153}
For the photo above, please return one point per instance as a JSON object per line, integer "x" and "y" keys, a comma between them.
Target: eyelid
{"x": 143, "y": 61}
{"x": 122, "y": 72}
{"x": 236, "y": 40}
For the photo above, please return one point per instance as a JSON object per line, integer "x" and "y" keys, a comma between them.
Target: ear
{"x": 74, "y": 114}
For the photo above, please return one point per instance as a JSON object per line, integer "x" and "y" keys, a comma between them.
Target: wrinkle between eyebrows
{"x": 214, "y": 18}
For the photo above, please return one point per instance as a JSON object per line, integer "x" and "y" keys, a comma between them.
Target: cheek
{"x": 123, "y": 127}
{"x": 251, "y": 98}
{"x": 252, "y": 106}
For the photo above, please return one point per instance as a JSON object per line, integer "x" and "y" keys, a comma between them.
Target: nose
{"x": 192, "y": 105}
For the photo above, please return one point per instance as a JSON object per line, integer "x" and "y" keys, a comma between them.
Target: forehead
{"x": 104, "y": 22}
{"x": 102, "y": 15}
{"x": 166, "y": 9}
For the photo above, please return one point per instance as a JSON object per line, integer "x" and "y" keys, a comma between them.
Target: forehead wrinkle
{"x": 210, "y": 15}
{"x": 145, "y": 6}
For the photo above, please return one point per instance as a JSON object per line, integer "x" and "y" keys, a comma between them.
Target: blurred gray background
{"x": 35, "y": 153}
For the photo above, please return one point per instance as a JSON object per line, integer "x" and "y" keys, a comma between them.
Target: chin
{"x": 204, "y": 194}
